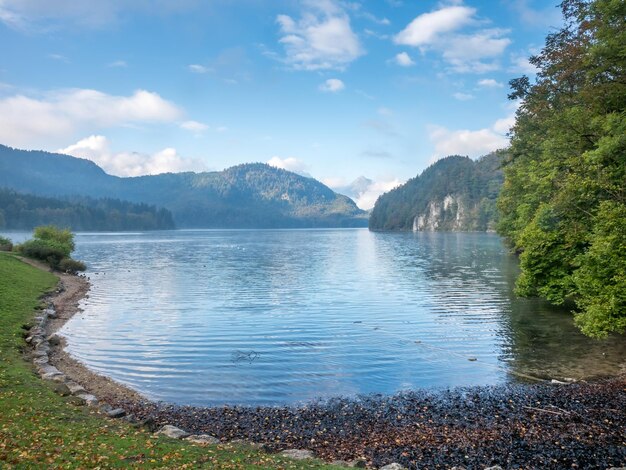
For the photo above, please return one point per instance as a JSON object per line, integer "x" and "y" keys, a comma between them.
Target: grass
{"x": 40, "y": 429}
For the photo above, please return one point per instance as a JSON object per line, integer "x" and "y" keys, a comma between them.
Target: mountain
{"x": 356, "y": 188}
{"x": 24, "y": 212}
{"x": 455, "y": 194}
{"x": 252, "y": 195}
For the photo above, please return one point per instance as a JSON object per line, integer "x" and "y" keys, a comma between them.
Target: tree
{"x": 565, "y": 175}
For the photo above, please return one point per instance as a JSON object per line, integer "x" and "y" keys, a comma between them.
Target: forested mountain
{"x": 245, "y": 196}
{"x": 563, "y": 202}
{"x": 26, "y": 211}
{"x": 455, "y": 193}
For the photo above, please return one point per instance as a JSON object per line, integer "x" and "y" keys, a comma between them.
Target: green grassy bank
{"x": 40, "y": 429}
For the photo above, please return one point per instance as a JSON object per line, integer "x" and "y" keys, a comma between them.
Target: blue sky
{"x": 328, "y": 88}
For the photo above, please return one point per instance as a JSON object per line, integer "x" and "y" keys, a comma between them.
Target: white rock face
{"x": 437, "y": 212}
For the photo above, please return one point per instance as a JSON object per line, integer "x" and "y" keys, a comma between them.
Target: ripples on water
{"x": 273, "y": 317}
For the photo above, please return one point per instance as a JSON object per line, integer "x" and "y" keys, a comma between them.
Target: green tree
{"x": 565, "y": 175}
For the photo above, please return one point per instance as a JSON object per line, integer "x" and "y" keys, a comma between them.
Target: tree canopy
{"x": 563, "y": 202}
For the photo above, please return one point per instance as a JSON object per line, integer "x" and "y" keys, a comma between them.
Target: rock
{"x": 36, "y": 340}
{"x": 62, "y": 389}
{"x": 54, "y": 340}
{"x": 558, "y": 382}
{"x": 50, "y": 313}
{"x": 202, "y": 439}
{"x": 173, "y": 432}
{"x": 495, "y": 467}
{"x": 149, "y": 423}
{"x": 47, "y": 369}
{"x": 116, "y": 413}
{"x": 105, "y": 407}
{"x": 393, "y": 466}
{"x": 298, "y": 454}
{"x": 87, "y": 399}
{"x": 40, "y": 353}
{"x": 49, "y": 372}
{"x": 43, "y": 347}
{"x": 75, "y": 388}
{"x": 42, "y": 359}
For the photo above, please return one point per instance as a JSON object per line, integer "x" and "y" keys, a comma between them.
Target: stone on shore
{"x": 173, "y": 432}
{"x": 62, "y": 389}
{"x": 298, "y": 454}
{"x": 202, "y": 439}
{"x": 495, "y": 467}
{"x": 87, "y": 398}
{"x": 393, "y": 466}
{"x": 54, "y": 340}
{"x": 116, "y": 413}
{"x": 75, "y": 388}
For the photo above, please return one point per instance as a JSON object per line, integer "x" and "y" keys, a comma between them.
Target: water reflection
{"x": 269, "y": 317}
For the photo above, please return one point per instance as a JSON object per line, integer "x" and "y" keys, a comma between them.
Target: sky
{"x": 331, "y": 89}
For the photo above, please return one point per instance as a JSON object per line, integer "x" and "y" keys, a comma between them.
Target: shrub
{"x": 71, "y": 266}
{"x": 44, "y": 251}
{"x": 62, "y": 239}
{"x": 53, "y": 246}
{"x": 5, "y": 244}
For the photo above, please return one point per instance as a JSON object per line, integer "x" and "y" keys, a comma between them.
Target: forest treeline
{"x": 25, "y": 211}
{"x": 563, "y": 202}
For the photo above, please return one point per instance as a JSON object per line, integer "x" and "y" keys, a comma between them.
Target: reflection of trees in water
{"x": 537, "y": 338}
{"x": 543, "y": 341}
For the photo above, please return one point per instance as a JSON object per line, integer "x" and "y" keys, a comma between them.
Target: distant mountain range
{"x": 252, "y": 195}
{"x": 454, "y": 194}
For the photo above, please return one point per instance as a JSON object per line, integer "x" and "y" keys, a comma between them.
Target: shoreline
{"x": 581, "y": 425}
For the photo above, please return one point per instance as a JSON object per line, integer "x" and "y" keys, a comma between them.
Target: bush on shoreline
{"x": 6, "y": 244}
{"x": 53, "y": 246}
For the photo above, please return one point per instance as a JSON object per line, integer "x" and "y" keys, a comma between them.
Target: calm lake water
{"x": 285, "y": 316}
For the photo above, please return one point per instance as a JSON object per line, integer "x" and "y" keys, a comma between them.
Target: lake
{"x": 284, "y": 316}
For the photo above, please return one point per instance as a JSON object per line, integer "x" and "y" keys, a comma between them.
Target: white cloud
{"x": 472, "y": 143}
{"x": 97, "y": 149}
{"x": 321, "y": 39}
{"x": 383, "y": 111}
{"x": 463, "y": 96}
{"x": 465, "y": 142}
{"x": 290, "y": 164}
{"x": 25, "y": 120}
{"x": 404, "y": 60}
{"x": 367, "y": 198}
{"x": 466, "y": 52}
{"x": 332, "y": 85}
{"x": 364, "y": 192}
{"x": 520, "y": 64}
{"x": 197, "y": 68}
{"x": 439, "y": 31}
{"x": 427, "y": 27}
{"x": 489, "y": 83}
{"x": 194, "y": 126}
